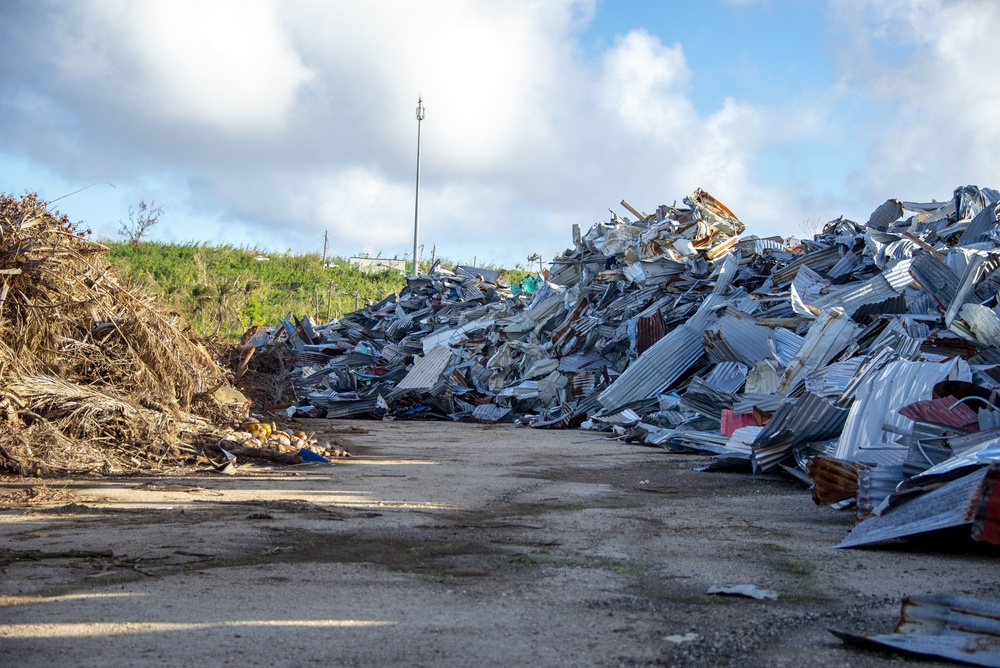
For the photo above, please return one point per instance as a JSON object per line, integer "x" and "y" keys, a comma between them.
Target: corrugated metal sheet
{"x": 426, "y": 372}
{"x": 984, "y": 221}
{"x": 833, "y": 480}
{"x": 875, "y": 485}
{"x": 832, "y": 380}
{"x": 582, "y": 362}
{"x": 489, "y": 275}
{"x": 656, "y": 369}
{"x": 737, "y": 337}
{"x": 951, "y": 505}
{"x": 490, "y": 413}
{"x": 886, "y": 214}
{"x": 820, "y": 260}
{"x": 784, "y": 344}
{"x": 706, "y": 399}
{"x": 727, "y": 376}
{"x": 897, "y": 384}
{"x": 810, "y": 418}
{"x": 958, "y": 628}
{"x": 648, "y": 331}
{"x": 827, "y": 336}
{"x": 936, "y": 278}
{"x": 945, "y": 410}
{"x": 584, "y": 383}
{"x": 875, "y": 290}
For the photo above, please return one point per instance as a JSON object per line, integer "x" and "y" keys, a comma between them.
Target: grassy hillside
{"x": 225, "y": 290}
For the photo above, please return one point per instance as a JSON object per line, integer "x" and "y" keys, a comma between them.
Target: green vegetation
{"x": 223, "y": 290}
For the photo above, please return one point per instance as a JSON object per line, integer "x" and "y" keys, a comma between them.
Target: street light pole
{"x": 416, "y": 201}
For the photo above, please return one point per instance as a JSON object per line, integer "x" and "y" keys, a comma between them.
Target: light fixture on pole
{"x": 416, "y": 200}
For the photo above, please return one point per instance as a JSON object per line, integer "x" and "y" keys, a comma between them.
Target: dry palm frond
{"x": 87, "y": 362}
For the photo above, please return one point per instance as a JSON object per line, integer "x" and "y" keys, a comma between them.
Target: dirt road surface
{"x": 443, "y": 544}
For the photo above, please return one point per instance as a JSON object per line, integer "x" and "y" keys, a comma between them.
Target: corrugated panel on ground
{"x": 656, "y": 369}
{"x": 833, "y": 480}
{"x": 958, "y": 628}
{"x": 951, "y": 505}
{"x": 875, "y": 485}
{"x": 490, "y": 413}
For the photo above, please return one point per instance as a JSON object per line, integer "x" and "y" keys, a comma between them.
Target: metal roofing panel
{"x": 833, "y": 480}
{"x": 727, "y": 376}
{"x": 831, "y": 380}
{"x": 875, "y": 290}
{"x": 490, "y": 413}
{"x": 810, "y": 418}
{"x": 936, "y": 277}
{"x": 426, "y": 372}
{"x": 657, "y": 368}
{"x": 489, "y": 275}
{"x": 886, "y": 214}
{"x": 877, "y": 400}
{"x": 951, "y": 505}
{"x": 946, "y": 411}
{"x": 737, "y": 337}
{"x": 827, "y": 336}
{"x": 959, "y": 628}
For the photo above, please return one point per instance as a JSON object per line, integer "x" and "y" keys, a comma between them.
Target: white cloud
{"x": 931, "y": 70}
{"x": 288, "y": 118}
{"x": 219, "y": 66}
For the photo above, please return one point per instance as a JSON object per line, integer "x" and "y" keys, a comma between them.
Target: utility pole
{"x": 325, "y": 232}
{"x": 416, "y": 201}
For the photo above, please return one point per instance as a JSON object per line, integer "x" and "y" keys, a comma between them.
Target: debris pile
{"x": 94, "y": 374}
{"x": 865, "y": 360}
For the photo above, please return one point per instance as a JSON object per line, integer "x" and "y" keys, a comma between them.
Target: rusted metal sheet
{"x": 957, "y": 628}
{"x": 945, "y": 411}
{"x": 951, "y": 505}
{"x": 833, "y": 480}
{"x": 649, "y": 330}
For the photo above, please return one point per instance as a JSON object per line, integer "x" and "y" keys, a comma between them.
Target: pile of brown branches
{"x": 95, "y": 375}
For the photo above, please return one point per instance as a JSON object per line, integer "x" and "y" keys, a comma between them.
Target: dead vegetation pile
{"x": 95, "y": 375}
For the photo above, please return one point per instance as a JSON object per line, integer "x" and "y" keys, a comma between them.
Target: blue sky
{"x": 261, "y": 123}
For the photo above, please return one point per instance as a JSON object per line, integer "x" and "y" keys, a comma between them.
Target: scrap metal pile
{"x": 865, "y": 361}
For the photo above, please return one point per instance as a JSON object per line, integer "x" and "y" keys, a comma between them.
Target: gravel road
{"x": 442, "y": 544}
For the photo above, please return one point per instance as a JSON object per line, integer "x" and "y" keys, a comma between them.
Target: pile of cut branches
{"x": 95, "y": 375}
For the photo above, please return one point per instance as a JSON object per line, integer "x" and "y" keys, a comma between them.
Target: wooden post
{"x": 329, "y": 301}
{"x": 357, "y": 301}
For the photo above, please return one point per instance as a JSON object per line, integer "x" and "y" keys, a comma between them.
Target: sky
{"x": 266, "y": 123}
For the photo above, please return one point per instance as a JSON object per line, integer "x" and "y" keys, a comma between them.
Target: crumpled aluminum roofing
{"x": 655, "y": 326}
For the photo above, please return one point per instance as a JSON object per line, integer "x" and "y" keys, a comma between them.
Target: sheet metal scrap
{"x": 874, "y": 345}
{"x": 957, "y": 628}
{"x": 965, "y": 501}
